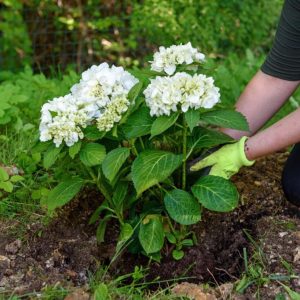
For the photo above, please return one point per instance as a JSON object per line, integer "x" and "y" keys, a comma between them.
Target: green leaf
{"x": 182, "y": 207}
{"x": 74, "y": 150}
{"x": 114, "y": 161}
{"x": 92, "y": 154}
{"x": 101, "y": 292}
{"x": 16, "y": 178}
{"x": 206, "y": 138}
{"x": 187, "y": 242}
{"x": 177, "y": 254}
{"x": 6, "y": 186}
{"x": 51, "y": 156}
{"x": 151, "y": 235}
{"x": 63, "y": 193}
{"x": 292, "y": 294}
{"x": 119, "y": 196}
{"x": 162, "y": 123}
{"x": 216, "y": 193}
{"x": 152, "y": 167}
{"x": 138, "y": 124}
{"x": 192, "y": 118}
{"x": 171, "y": 238}
{"x": 92, "y": 133}
{"x": 226, "y": 118}
{"x": 134, "y": 92}
{"x": 3, "y": 175}
{"x": 125, "y": 234}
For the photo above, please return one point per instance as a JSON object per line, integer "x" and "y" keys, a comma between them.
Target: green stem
{"x": 100, "y": 186}
{"x": 184, "y": 150}
{"x": 133, "y": 147}
{"x": 142, "y": 143}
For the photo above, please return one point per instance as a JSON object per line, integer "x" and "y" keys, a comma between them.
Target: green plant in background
{"x": 218, "y": 27}
{"x": 133, "y": 140}
{"x": 88, "y": 32}
{"x": 14, "y": 39}
{"x": 7, "y": 182}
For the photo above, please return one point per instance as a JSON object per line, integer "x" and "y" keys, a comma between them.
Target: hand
{"x": 226, "y": 161}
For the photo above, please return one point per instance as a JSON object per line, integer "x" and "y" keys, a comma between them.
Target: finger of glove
{"x": 217, "y": 171}
{"x": 206, "y": 162}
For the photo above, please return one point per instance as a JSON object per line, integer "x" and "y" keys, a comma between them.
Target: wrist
{"x": 245, "y": 153}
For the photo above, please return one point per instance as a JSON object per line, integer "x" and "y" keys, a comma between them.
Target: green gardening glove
{"x": 226, "y": 161}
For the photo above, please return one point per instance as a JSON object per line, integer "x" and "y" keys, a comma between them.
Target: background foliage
{"x": 57, "y": 33}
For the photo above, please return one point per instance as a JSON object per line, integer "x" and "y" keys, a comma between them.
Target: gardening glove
{"x": 226, "y": 161}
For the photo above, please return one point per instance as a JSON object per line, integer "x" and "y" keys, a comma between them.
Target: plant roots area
{"x": 250, "y": 253}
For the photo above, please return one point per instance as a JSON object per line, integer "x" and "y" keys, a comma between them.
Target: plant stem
{"x": 133, "y": 147}
{"x": 142, "y": 143}
{"x": 184, "y": 133}
{"x": 100, "y": 186}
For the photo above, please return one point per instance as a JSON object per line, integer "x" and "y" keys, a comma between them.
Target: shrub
{"x": 139, "y": 159}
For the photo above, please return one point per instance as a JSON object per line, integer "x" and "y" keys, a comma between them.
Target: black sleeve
{"x": 283, "y": 60}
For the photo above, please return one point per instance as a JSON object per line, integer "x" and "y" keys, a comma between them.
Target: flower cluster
{"x": 107, "y": 88}
{"x": 101, "y": 96}
{"x": 166, "y": 59}
{"x": 62, "y": 120}
{"x": 165, "y": 94}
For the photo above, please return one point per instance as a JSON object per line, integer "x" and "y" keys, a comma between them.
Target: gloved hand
{"x": 226, "y": 161}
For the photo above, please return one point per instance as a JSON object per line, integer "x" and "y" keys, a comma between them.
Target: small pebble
{"x": 282, "y": 234}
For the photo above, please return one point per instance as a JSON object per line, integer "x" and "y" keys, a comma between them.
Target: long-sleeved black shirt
{"x": 283, "y": 60}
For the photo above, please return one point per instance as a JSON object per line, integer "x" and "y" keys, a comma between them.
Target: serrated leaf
{"x": 182, "y": 207}
{"x": 92, "y": 154}
{"x": 152, "y": 167}
{"x": 151, "y": 235}
{"x": 192, "y": 118}
{"x": 63, "y": 193}
{"x": 216, "y": 193}
{"x": 7, "y": 186}
{"x": 74, "y": 150}
{"x": 51, "y": 156}
{"x": 226, "y": 118}
{"x": 138, "y": 124}
{"x": 113, "y": 162}
{"x": 3, "y": 175}
{"x": 206, "y": 138}
{"x": 163, "y": 123}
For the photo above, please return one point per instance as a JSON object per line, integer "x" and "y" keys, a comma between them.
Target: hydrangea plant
{"x": 130, "y": 134}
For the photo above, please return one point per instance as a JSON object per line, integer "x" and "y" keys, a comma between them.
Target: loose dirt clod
{"x": 13, "y": 247}
{"x": 192, "y": 291}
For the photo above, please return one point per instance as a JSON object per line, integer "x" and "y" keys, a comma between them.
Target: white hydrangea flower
{"x": 62, "y": 120}
{"x": 181, "y": 91}
{"x": 100, "y": 84}
{"x": 112, "y": 113}
{"x": 101, "y": 96}
{"x": 166, "y": 59}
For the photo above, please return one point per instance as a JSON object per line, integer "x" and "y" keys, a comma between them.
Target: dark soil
{"x": 66, "y": 250}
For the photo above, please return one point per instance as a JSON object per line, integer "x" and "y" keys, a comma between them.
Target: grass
{"x": 256, "y": 273}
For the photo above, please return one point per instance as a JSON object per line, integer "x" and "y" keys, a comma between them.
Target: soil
{"x": 66, "y": 250}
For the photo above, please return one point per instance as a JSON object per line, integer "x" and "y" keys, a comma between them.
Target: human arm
{"x": 261, "y": 99}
